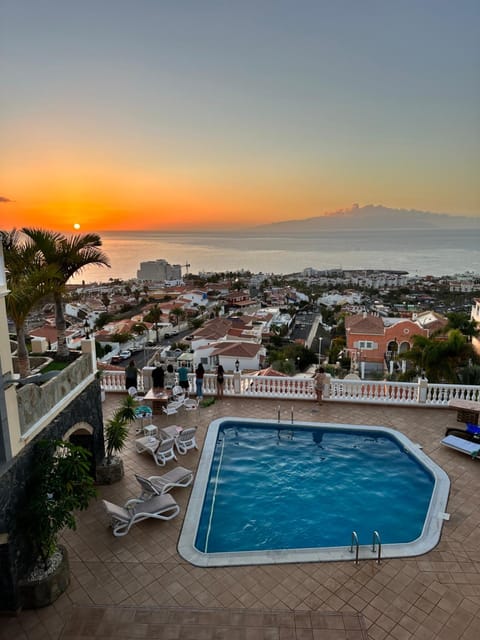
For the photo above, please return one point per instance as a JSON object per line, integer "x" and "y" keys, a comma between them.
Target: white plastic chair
{"x": 186, "y": 440}
{"x": 190, "y": 404}
{"x": 178, "y": 393}
{"x": 165, "y": 452}
{"x": 170, "y": 409}
{"x": 132, "y": 391}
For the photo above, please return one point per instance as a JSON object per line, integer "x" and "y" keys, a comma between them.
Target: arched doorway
{"x": 81, "y": 435}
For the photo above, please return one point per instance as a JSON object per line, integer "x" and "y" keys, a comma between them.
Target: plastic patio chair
{"x": 164, "y": 452}
{"x": 186, "y": 440}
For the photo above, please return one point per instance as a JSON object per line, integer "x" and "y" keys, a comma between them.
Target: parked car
{"x": 123, "y": 355}
{"x": 171, "y": 353}
{"x": 171, "y": 334}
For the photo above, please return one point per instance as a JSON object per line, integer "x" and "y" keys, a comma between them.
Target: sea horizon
{"x": 420, "y": 252}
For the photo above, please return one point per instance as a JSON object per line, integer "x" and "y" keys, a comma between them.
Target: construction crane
{"x": 186, "y": 265}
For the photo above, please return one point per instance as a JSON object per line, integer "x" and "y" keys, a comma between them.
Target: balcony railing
{"x": 336, "y": 390}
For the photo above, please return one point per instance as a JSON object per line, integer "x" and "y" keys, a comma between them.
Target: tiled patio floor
{"x": 138, "y": 586}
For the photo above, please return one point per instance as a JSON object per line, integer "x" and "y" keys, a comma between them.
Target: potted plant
{"x": 116, "y": 435}
{"x": 59, "y": 485}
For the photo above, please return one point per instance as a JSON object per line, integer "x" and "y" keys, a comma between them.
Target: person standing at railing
{"x": 182, "y": 373}
{"x": 319, "y": 384}
{"x": 158, "y": 376}
{"x": 199, "y": 374}
{"x": 220, "y": 381}
{"x": 169, "y": 377}
{"x": 131, "y": 374}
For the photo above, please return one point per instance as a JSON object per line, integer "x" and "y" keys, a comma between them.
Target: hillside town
{"x": 360, "y": 321}
{"x": 118, "y": 397}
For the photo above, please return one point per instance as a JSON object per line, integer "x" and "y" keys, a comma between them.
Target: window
{"x": 366, "y": 344}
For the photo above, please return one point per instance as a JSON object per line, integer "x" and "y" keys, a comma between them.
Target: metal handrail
{"x": 357, "y": 546}
{"x": 376, "y": 538}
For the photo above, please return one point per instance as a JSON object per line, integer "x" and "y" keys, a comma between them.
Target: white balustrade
{"x": 340, "y": 390}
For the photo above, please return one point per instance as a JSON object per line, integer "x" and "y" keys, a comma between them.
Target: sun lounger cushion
{"x": 460, "y": 444}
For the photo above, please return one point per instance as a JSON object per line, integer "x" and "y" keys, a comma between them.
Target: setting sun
{"x": 76, "y": 226}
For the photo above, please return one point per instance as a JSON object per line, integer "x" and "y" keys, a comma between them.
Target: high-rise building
{"x": 159, "y": 271}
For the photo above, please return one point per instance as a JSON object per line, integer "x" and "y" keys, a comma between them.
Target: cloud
{"x": 4, "y": 200}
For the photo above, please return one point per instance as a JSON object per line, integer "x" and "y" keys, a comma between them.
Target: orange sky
{"x": 231, "y": 114}
{"x": 57, "y": 194}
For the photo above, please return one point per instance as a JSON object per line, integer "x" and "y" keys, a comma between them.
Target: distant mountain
{"x": 371, "y": 217}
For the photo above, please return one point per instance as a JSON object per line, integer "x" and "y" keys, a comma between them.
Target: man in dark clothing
{"x": 158, "y": 377}
{"x": 131, "y": 373}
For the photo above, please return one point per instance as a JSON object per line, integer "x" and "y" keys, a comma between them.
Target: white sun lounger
{"x": 122, "y": 518}
{"x": 158, "y": 485}
{"x": 460, "y": 444}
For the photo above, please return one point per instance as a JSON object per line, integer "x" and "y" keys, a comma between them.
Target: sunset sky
{"x": 137, "y": 114}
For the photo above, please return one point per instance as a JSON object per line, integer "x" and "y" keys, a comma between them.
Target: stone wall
{"x": 36, "y": 401}
{"x": 86, "y": 408}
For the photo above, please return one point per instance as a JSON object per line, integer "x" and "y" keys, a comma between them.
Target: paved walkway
{"x": 138, "y": 586}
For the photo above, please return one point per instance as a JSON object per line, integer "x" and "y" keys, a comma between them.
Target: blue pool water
{"x": 275, "y": 486}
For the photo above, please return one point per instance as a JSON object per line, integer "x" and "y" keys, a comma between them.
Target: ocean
{"x": 417, "y": 251}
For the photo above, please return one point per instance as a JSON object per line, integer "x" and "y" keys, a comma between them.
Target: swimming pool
{"x": 276, "y": 492}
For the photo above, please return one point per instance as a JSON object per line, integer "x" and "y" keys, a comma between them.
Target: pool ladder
{"x": 278, "y": 415}
{"x": 376, "y": 540}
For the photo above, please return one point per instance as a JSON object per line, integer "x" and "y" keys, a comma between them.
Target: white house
{"x": 250, "y": 355}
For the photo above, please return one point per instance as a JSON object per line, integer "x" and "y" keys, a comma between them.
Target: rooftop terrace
{"x": 138, "y": 586}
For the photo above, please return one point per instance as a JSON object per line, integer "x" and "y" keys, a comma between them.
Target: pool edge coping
{"x": 428, "y": 539}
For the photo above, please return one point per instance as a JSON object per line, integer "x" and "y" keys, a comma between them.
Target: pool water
{"x": 274, "y": 487}
{"x": 269, "y": 492}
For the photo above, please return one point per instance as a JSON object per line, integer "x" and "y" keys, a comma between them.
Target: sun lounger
{"x": 158, "y": 485}
{"x": 460, "y": 444}
{"x": 161, "y": 450}
{"x": 147, "y": 443}
{"x": 122, "y": 518}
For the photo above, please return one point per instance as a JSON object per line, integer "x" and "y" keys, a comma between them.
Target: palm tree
{"x": 105, "y": 300}
{"x": 464, "y": 323}
{"x": 441, "y": 359}
{"x": 28, "y": 281}
{"x": 178, "y": 313}
{"x": 69, "y": 256}
{"x": 154, "y": 315}
{"x": 139, "y": 329}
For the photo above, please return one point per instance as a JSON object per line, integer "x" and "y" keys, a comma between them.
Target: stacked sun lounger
{"x": 460, "y": 444}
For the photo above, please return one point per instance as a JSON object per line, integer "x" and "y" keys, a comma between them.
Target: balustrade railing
{"x": 340, "y": 390}
{"x": 376, "y": 391}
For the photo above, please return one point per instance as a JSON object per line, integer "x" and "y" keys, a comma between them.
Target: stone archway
{"x": 81, "y": 434}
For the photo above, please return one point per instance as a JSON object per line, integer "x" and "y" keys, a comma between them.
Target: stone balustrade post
{"x": 236, "y": 381}
{"x": 326, "y": 386}
{"x": 422, "y": 390}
